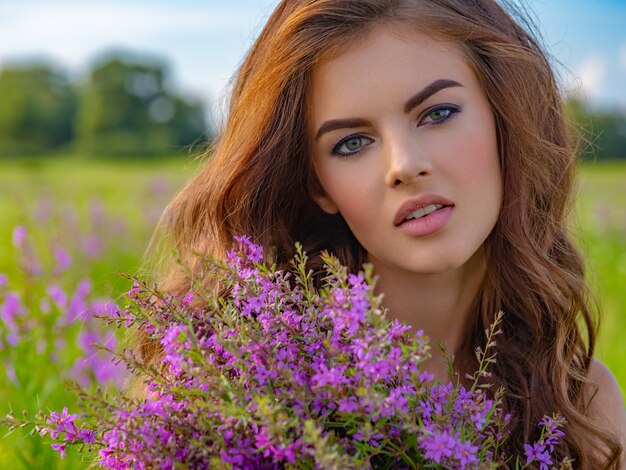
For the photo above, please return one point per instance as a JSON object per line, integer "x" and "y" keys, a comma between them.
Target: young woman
{"x": 425, "y": 137}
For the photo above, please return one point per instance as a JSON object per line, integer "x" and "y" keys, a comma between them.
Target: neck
{"x": 441, "y": 304}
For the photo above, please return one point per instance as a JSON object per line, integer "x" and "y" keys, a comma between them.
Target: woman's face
{"x": 404, "y": 146}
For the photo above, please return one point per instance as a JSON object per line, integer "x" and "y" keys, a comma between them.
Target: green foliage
{"x": 601, "y": 214}
{"x": 127, "y": 109}
{"x": 603, "y": 133}
{"x": 38, "y": 109}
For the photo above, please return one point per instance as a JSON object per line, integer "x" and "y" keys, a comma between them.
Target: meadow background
{"x": 69, "y": 226}
{"x": 104, "y": 108}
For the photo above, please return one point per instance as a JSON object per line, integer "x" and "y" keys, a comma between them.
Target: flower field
{"x": 68, "y": 227}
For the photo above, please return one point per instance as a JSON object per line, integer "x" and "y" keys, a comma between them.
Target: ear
{"x": 323, "y": 200}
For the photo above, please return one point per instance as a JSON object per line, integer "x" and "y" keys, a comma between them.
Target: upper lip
{"x": 419, "y": 202}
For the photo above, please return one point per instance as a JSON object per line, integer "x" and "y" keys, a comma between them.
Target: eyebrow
{"x": 411, "y": 104}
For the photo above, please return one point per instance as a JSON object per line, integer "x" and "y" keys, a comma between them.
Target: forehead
{"x": 384, "y": 65}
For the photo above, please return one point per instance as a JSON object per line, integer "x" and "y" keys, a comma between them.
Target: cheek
{"x": 485, "y": 181}
{"x": 480, "y": 170}
{"x": 475, "y": 159}
{"x": 352, "y": 186}
{"x": 486, "y": 163}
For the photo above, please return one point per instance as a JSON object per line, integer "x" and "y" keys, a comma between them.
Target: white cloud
{"x": 592, "y": 73}
{"x": 72, "y": 31}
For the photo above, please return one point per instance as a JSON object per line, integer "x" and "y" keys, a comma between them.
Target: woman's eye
{"x": 350, "y": 145}
{"x": 439, "y": 115}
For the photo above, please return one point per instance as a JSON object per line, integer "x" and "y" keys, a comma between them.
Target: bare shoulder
{"x": 608, "y": 393}
{"x": 607, "y": 403}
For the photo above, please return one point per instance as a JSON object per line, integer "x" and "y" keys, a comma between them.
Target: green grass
{"x": 56, "y": 199}
{"x": 62, "y": 202}
{"x": 601, "y": 214}
{"x": 132, "y": 193}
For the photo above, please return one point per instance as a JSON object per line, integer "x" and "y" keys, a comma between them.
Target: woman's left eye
{"x": 439, "y": 115}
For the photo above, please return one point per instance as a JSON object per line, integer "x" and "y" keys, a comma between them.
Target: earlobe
{"x": 326, "y": 204}
{"x": 321, "y": 198}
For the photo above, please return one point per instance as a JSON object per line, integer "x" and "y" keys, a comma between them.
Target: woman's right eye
{"x": 350, "y": 145}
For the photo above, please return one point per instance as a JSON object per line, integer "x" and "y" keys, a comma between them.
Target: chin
{"x": 442, "y": 264}
{"x": 433, "y": 267}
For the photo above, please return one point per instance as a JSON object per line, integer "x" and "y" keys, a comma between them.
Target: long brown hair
{"x": 257, "y": 181}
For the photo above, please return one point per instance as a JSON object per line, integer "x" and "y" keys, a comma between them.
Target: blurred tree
{"x": 37, "y": 109}
{"x": 126, "y": 108}
{"x": 611, "y": 134}
{"x": 603, "y": 133}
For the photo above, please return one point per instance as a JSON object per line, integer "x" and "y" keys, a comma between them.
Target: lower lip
{"x": 428, "y": 224}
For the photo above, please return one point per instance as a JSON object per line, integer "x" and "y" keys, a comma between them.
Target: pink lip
{"x": 418, "y": 203}
{"x": 428, "y": 224}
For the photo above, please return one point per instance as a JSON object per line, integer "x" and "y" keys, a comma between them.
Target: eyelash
{"x": 446, "y": 107}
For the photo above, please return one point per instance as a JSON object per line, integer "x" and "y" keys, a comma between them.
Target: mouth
{"x": 424, "y": 211}
{"x": 420, "y": 207}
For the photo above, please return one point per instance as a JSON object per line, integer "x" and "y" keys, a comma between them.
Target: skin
{"x": 607, "y": 404}
{"x": 445, "y": 145}
{"x": 393, "y": 155}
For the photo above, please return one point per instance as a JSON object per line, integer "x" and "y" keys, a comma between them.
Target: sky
{"x": 204, "y": 41}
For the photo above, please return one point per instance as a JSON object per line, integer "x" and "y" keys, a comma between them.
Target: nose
{"x": 406, "y": 161}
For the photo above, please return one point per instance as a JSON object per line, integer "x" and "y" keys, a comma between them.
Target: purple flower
{"x": 19, "y": 236}
{"x": 171, "y": 343}
{"x": 334, "y": 377}
{"x": 63, "y": 260}
{"x": 106, "y": 308}
{"x": 396, "y": 402}
{"x": 134, "y": 291}
{"x": 11, "y": 307}
{"x": 63, "y": 421}
{"x": 537, "y": 453}
{"x": 348, "y": 405}
{"x": 438, "y": 447}
{"x": 12, "y": 339}
{"x": 87, "y": 436}
{"x": 270, "y": 371}
{"x": 60, "y": 448}
{"x": 551, "y": 436}
{"x": 58, "y": 296}
{"x": 78, "y": 304}
{"x": 83, "y": 288}
{"x": 9, "y": 370}
{"x": 86, "y": 339}
{"x": 466, "y": 454}
{"x": 188, "y": 298}
{"x": 91, "y": 245}
{"x": 94, "y": 367}
{"x": 348, "y": 312}
{"x": 247, "y": 253}
{"x": 4, "y": 280}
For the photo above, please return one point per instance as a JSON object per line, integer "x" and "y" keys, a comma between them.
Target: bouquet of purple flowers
{"x": 263, "y": 370}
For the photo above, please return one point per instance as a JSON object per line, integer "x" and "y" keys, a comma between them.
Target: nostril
{"x": 397, "y": 182}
